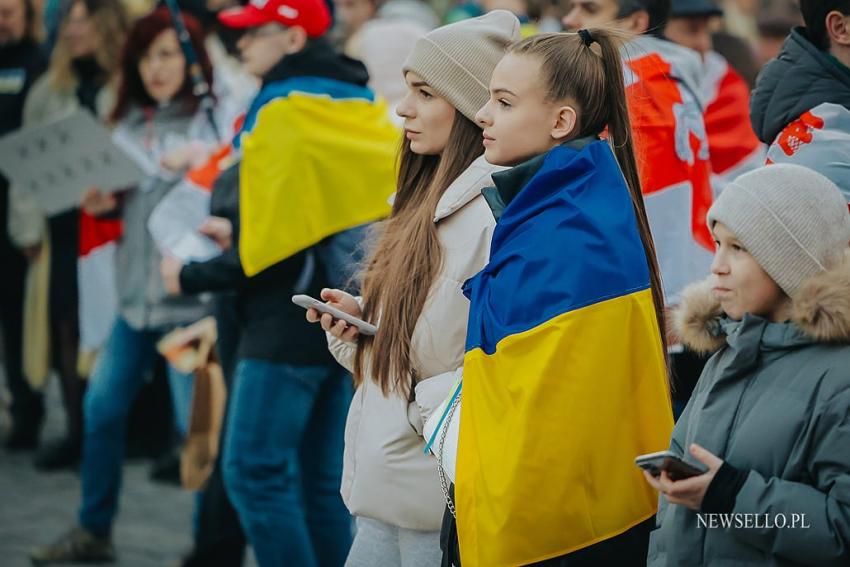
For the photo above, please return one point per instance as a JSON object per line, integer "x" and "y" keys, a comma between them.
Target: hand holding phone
{"x": 676, "y": 468}
{"x": 336, "y": 316}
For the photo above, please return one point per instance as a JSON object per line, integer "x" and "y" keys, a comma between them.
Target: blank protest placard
{"x": 58, "y": 161}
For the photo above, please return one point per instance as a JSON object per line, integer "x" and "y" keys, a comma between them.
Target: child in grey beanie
{"x": 768, "y": 420}
{"x": 791, "y": 219}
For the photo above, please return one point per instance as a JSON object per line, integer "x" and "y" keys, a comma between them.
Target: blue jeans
{"x": 120, "y": 372}
{"x": 283, "y": 462}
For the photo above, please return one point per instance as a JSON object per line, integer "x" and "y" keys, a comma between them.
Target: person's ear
{"x": 636, "y": 22}
{"x": 838, "y": 28}
{"x": 565, "y": 123}
{"x": 296, "y": 39}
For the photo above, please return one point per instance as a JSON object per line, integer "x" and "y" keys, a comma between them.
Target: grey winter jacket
{"x": 142, "y": 300}
{"x": 799, "y": 79}
{"x": 773, "y": 402}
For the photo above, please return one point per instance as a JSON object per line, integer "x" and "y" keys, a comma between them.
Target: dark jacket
{"x": 318, "y": 59}
{"x": 20, "y": 65}
{"x": 773, "y": 404}
{"x": 799, "y": 79}
{"x": 273, "y": 328}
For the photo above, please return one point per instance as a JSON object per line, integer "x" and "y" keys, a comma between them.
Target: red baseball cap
{"x": 312, "y": 15}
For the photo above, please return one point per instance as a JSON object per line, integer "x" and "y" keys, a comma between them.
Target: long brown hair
{"x": 592, "y": 77}
{"x": 401, "y": 269}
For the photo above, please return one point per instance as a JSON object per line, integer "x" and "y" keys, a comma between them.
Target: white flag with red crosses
{"x": 820, "y": 140}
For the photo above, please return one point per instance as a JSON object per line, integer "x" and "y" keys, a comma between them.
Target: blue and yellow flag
{"x": 564, "y": 376}
{"x": 318, "y": 157}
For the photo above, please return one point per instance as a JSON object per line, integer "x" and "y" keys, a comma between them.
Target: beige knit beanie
{"x": 792, "y": 220}
{"x": 457, "y": 60}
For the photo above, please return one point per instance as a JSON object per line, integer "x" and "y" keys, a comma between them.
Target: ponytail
{"x": 586, "y": 68}
{"x": 621, "y": 140}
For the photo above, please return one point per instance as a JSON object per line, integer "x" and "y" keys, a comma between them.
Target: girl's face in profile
{"x": 519, "y": 120}
{"x": 428, "y": 118}
{"x": 740, "y": 284}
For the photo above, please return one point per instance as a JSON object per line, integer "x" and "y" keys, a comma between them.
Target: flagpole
{"x": 200, "y": 86}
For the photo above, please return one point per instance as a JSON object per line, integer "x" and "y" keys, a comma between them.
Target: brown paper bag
{"x": 193, "y": 350}
{"x": 209, "y": 399}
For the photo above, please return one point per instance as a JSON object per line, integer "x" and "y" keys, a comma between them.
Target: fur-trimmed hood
{"x": 820, "y": 310}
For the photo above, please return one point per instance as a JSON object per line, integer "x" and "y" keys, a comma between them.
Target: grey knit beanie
{"x": 792, "y": 220}
{"x": 457, "y": 60}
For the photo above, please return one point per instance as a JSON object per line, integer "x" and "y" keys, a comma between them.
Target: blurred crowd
{"x": 277, "y": 124}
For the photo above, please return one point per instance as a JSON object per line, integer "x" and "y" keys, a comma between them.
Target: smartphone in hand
{"x": 308, "y": 302}
{"x": 676, "y": 468}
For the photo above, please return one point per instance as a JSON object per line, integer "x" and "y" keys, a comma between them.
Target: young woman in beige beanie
{"x": 437, "y": 236}
{"x": 769, "y": 420}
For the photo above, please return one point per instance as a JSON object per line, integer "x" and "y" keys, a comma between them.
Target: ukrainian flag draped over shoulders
{"x": 564, "y": 377}
{"x": 318, "y": 157}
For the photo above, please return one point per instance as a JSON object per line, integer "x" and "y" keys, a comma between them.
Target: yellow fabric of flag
{"x": 564, "y": 378}
{"x": 312, "y": 166}
{"x": 559, "y": 450}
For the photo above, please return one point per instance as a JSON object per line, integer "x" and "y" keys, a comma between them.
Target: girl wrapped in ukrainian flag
{"x": 565, "y": 379}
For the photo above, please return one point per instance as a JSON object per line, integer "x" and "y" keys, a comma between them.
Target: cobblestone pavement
{"x": 154, "y": 523}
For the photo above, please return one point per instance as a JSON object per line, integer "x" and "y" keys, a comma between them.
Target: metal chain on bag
{"x": 443, "y": 482}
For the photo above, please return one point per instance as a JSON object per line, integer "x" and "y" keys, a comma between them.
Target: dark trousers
{"x": 219, "y": 539}
{"x": 283, "y": 461}
{"x": 64, "y": 317}
{"x": 27, "y": 404}
{"x": 628, "y": 549}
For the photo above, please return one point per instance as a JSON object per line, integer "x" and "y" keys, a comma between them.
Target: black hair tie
{"x": 586, "y": 37}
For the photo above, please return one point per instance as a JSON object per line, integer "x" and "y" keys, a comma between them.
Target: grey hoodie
{"x": 773, "y": 402}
